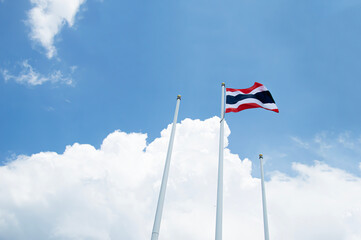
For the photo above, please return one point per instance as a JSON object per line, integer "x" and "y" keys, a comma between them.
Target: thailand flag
{"x": 256, "y": 96}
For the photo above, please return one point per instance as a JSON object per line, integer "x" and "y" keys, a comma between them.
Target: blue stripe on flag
{"x": 264, "y": 97}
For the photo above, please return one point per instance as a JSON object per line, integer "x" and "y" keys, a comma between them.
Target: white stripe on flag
{"x": 254, "y": 91}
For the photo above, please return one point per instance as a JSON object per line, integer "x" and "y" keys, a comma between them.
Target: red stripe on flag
{"x": 246, "y": 90}
{"x": 248, "y": 106}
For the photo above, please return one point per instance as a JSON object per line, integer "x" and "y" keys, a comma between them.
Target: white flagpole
{"x": 265, "y": 218}
{"x": 220, "y": 174}
{"x": 158, "y": 214}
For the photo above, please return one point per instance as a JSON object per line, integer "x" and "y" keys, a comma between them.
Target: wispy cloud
{"x": 50, "y": 109}
{"x": 337, "y": 149}
{"x": 48, "y": 17}
{"x": 347, "y": 141}
{"x": 301, "y": 143}
{"x": 29, "y": 76}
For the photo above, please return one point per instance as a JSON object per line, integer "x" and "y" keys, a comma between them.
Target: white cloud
{"x": 29, "y": 76}
{"x": 111, "y": 192}
{"x": 48, "y": 17}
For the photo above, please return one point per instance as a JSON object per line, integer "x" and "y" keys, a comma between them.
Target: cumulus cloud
{"x": 46, "y": 18}
{"x": 111, "y": 192}
{"x": 29, "y": 76}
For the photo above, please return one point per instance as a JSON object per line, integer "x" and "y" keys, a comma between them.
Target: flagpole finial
{"x": 260, "y": 156}
{"x": 223, "y": 84}
{"x": 179, "y": 97}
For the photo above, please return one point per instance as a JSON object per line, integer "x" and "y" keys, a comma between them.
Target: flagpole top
{"x": 223, "y": 84}
{"x": 179, "y": 97}
{"x": 261, "y": 156}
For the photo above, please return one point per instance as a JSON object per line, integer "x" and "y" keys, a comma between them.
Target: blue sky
{"x": 128, "y": 60}
{"x": 74, "y": 72}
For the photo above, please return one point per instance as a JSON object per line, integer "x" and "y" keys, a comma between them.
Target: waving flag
{"x": 256, "y": 96}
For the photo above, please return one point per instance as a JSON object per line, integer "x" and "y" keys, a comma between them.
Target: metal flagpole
{"x": 265, "y": 218}
{"x": 220, "y": 174}
{"x": 158, "y": 214}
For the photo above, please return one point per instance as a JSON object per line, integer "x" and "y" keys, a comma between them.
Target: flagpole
{"x": 265, "y": 218}
{"x": 159, "y": 211}
{"x": 219, "y": 212}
